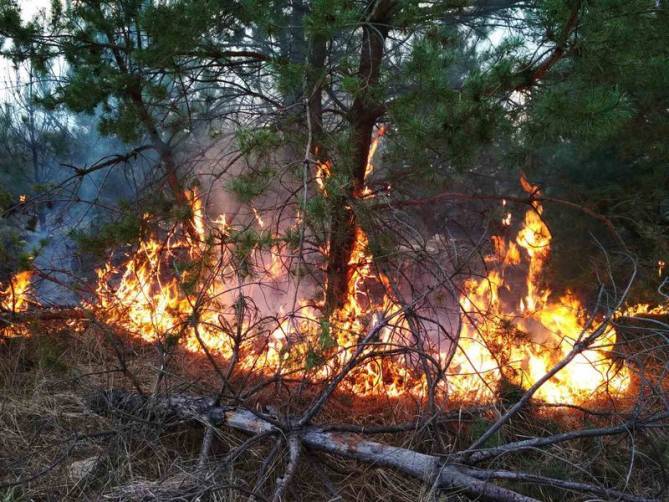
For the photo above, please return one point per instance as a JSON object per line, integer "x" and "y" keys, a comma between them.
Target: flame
{"x": 197, "y": 218}
{"x": 258, "y": 218}
{"x": 376, "y": 140}
{"x": 369, "y": 168}
{"x": 642, "y": 309}
{"x": 502, "y": 339}
{"x": 145, "y": 296}
{"x": 352, "y": 321}
{"x": 323, "y": 170}
{"x": 501, "y": 342}
{"x": 221, "y": 222}
{"x": 660, "y": 267}
{"x": 14, "y": 298}
{"x": 151, "y": 295}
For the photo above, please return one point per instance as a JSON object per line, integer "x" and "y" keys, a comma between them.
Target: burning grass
{"x": 497, "y": 341}
{"x": 49, "y": 432}
{"x": 176, "y": 315}
{"x": 175, "y": 289}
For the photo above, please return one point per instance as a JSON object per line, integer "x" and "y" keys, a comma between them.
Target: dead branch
{"x": 445, "y": 474}
{"x": 487, "y": 475}
{"x": 44, "y": 314}
{"x": 293, "y": 458}
{"x": 533, "y": 443}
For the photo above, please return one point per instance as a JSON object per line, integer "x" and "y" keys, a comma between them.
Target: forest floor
{"x": 53, "y": 446}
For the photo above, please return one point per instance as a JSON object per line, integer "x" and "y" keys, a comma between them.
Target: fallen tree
{"x": 453, "y": 472}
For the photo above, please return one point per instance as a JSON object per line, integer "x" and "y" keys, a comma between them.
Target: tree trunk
{"x": 362, "y": 118}
{"x": 133, "y": 93}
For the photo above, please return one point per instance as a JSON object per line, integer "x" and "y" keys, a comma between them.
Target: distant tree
{"x": 129, "y": 62}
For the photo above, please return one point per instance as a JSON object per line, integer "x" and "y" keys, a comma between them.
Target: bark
{"x": 315, "y": 78}
{"x": 132, "y": 93}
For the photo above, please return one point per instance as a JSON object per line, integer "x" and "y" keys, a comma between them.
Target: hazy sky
{"x": 30, "y": 7}
{"x": 7, "y": 74}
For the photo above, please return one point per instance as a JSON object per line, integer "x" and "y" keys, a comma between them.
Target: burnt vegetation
{"x": 334, "y": 250}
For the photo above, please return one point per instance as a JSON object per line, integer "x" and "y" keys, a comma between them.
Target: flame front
{"x": 519, "y": 343}
{"x": 14, "y": 298}
{"x": 501, "y": 340}
{"x": 153, "y": 294}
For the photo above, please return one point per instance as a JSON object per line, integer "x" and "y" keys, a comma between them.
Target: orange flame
{"x": 501, "y": 339}
{"x": 14, "y": 297}
{"x": 520, "y": 345}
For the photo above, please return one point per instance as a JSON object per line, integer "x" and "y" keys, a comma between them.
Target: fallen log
{"x": 433, "y": 470}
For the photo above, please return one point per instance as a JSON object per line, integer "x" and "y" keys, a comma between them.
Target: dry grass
{"x": 53, "y": 447}
{"x": 57, "y": 448}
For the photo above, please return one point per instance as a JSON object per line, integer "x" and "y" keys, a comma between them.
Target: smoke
{"x": 272, "y": 276}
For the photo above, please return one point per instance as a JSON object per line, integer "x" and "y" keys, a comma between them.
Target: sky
{"x": 30, "y": 7}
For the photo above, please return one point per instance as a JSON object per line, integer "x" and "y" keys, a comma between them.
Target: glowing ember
{"x": 506, "y": 221}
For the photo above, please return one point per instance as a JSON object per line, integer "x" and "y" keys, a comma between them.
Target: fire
{"x": 369, "y": 168}
{"x": 519, "y": 343}
{"x": 391, "y": 377}
{"x": 145, "y": 296}
{"x": 173, "y": 288}
{"x": 502, "y": 339}
{"x": 14, "y": 298}
{"x": 642, "y": 309}
{"x": 152, "y": 295}
{"x": 359, "y": 315}
{"x": 258, "y": 218}
{"x": 198, "y": 213}
{"x": 323, "y": 170}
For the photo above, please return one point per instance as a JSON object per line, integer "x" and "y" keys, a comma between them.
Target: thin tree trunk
{"x": 362, "y": 117}
{"x": 133, "y": 93}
